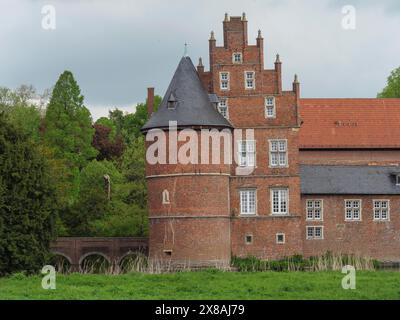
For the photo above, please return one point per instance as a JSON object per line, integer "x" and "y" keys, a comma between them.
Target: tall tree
{"x": 68, "y": 123}
{"x": 27, "y": 202}
{"x": 392, "y": 90}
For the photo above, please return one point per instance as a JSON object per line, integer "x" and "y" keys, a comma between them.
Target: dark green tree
{"x": 68, "y": 123}
{"x": 27, "y": 203}
{"x": 392, "y": 90}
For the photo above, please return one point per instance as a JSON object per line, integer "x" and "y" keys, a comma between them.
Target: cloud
{"x": 118, "y": 48}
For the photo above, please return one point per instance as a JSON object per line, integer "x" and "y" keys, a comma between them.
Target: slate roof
{"x": 350, "y": 123}
{"x": 319, "y": 179}
{"x": 193, "y": 105}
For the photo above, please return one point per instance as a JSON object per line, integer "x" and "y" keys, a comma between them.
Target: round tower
{"x": 187, "y": 172}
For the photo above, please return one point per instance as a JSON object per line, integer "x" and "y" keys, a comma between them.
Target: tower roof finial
{"x": 200, "y": 62}
{"x": 226, "y": 17}
{"x": 185, "y": 52}
{"x": 244, "y": 16}
{"x": 278, "y": 60}
{"x": 259, "y": 34}
{"x": 296, "y": 79}
{"x": 212, "y": 36}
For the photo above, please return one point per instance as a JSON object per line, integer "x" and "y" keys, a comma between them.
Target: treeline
{"x": 63, "y": 175}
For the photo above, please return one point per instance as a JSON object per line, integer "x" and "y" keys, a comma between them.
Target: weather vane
{"x": 185, "y": 54}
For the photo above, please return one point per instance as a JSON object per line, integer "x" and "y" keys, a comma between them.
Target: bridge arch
{"x": 95, "y": 266}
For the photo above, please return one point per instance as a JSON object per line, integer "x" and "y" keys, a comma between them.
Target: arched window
{"x": 165, "y": 197}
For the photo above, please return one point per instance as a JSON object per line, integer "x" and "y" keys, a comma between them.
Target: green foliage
{"x": 129, "y": 125}
{"x": 68, "y": 123}
{"x": 27, "y": 205}
{"x": 392, "y": 90}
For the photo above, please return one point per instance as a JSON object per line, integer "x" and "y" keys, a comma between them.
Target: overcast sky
{"x": 116, "y": 49}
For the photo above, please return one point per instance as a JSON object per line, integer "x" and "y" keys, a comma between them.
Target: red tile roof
{"x": 350, "y": 123}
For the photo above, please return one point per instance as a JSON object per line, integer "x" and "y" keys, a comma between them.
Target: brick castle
{"x": 325, "y": 172}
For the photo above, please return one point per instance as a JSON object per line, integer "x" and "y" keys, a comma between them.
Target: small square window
{"x": 249, "y": 239}
{"x": 280, "y": 238}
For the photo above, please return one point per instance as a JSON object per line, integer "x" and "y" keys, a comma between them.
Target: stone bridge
{"x": 114, "y": 250}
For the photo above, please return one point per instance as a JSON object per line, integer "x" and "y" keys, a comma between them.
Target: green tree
{"x": 392, "y": 90}
{"x": 27, "y": 202}
{"x": 68, "y": 123}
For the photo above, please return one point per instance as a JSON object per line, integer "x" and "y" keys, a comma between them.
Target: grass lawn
{"x": 206, "y": 285}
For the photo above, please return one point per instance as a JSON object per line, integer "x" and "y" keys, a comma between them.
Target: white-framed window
{"x": 247, "y": 153}
{"x": 278, "y": 153}
{"x": 280, "y": 201}
{"x": 314, "y": 232}
{"x": 270, "y": 111}
{"x": 247, "y": 201}
{"x": 224, "y": 80}
{"x": 248, "y": 239}
{"x": 314, "y": 209}
{"x": 381, "y": 210}
{"x": 352, "y": 210}
{"x": 280, "y": 238}
{"x": 223, "y": 107}
{"x": 249, "y": 78}
{"x": 237, "y": 57}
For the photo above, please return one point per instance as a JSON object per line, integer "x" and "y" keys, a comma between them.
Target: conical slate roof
{"x": 186, "y": 102}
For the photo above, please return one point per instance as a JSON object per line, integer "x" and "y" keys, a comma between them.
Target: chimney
{"x": 150, "y": 101}
{"x": 200, "y": 66}
{"x": 278, "y": 70}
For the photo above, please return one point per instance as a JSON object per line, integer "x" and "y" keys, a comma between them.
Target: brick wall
{"x": 366, "y": 237}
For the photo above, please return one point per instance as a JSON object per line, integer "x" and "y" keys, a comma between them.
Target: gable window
{"x": 247, "y": 201}
{"x": 270, "y": 107}
{"x": 352, "y": 210}
{"x": 224, "y": 80}
{"x": 314, "y": 232}
{"x": 280, "y": 201}
{"x": 247, "y": 153}
{"x": 223, "y": 107}
{"x": 280, "y": 238}
{"x": 381, "y": 210}
{"x": 249, "y": 79}
{"x": 314, "y": 209}
{"x": 237, "y": 57}
{"x": 278, "y": 153}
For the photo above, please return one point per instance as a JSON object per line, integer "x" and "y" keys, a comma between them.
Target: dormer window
{"x": 171, "y": 104}
{"x": 398, "y": 180}
{"x": 237, "y": 57}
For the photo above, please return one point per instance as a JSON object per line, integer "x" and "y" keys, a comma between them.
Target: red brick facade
{"x": 202, "y": 223}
